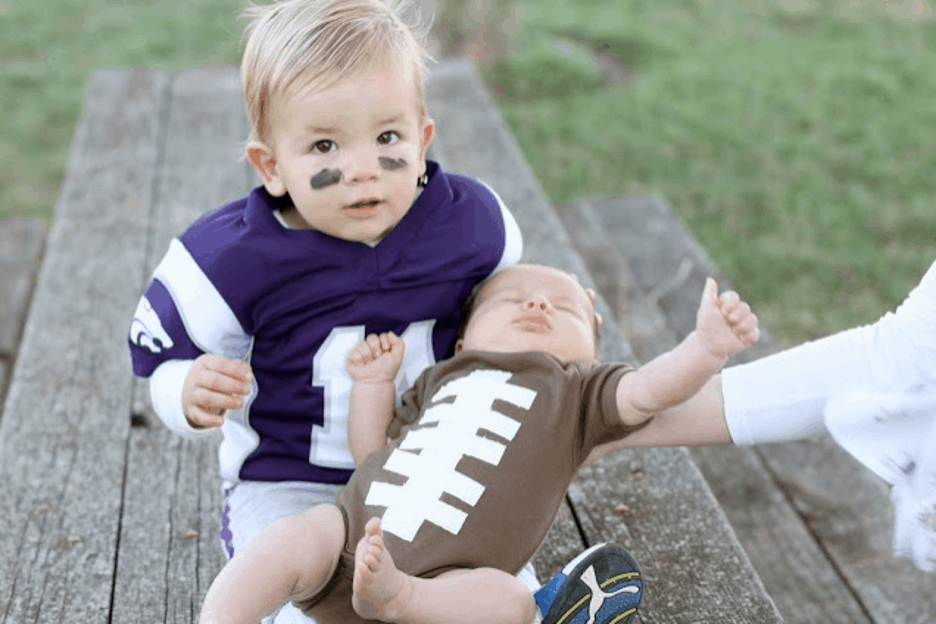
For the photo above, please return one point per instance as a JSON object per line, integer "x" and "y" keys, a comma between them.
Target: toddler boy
{"x": 250, "y": 315}
{"x": 432, "y": 526}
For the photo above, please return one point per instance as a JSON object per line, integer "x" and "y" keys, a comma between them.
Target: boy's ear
{"x": 426, "y": 134}
{"x": 459, "y": 345}
{"x": 261, "y": 157}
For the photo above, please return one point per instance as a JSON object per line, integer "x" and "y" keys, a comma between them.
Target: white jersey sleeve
{"x": 513, "y": 239}
{"x": 166, "y": 393}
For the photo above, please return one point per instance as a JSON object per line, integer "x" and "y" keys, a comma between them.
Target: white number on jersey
{"x": 329, "y": 445}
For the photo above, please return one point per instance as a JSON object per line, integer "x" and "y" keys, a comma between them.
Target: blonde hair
{"x": 323, "y": 41}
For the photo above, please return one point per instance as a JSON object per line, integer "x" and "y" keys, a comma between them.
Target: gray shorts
{"x": 251, "y": 506}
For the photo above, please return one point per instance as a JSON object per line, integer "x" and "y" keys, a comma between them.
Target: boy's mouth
{"x": 367, "y": 203}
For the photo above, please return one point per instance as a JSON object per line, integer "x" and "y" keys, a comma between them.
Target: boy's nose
{"x": 537, "y": 302}
{"x": 362, "y": 166}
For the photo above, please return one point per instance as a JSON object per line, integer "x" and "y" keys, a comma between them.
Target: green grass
{"x": 47, "y": 52}
{"x": 798, "y": 146}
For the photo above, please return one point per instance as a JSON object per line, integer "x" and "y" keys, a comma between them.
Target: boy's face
{"x": 533, "y": 308}
{"x": 349, "y": 156}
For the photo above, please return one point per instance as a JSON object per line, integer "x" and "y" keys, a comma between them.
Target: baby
{"x": 461, "y": 482}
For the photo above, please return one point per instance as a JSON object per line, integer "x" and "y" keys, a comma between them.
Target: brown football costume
{"x": 484, "y": 447}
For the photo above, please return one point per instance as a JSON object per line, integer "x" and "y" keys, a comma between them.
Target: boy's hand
{"x": 725, "y": 324}
{"x": 376, "y": 358}
{"x": 213, "y": 385}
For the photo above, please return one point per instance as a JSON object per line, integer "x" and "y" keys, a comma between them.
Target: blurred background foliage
{"x": 796, "y": 138}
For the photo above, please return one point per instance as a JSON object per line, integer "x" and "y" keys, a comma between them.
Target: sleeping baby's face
{"x": 533, "y": 308}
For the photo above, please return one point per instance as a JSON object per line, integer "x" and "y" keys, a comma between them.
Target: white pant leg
{"x": 251, "y": 506}
{"x": 783, "y": 396}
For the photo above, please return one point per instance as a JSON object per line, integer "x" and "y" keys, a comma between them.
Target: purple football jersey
{"x": 293, "y": 302}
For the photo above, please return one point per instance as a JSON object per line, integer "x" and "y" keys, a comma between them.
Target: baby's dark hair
{"x": 469, "y": 305}
{"x": 467, "y": 309}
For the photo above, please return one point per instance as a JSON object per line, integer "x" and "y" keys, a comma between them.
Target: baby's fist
{"x": 725, "y": 323}
{"x": 376, "y": 358}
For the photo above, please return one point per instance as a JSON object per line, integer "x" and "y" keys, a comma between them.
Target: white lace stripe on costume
{"x": 208, "y": 319}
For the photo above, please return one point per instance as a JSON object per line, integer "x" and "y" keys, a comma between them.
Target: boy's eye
{"x": 324, "y": 146}
{"x": 388, "y": 138}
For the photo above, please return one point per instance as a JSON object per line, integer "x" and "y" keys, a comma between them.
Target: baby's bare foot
{"x": 379, "y": 587}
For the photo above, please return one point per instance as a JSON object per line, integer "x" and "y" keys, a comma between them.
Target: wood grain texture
{"x": 21, "y": 245}
{"x": 563, "y": 542}
{"x": 4, "y": 380}
{"x": 656, "y": 509}
{"x": 64, "y": 433}
{"x": 109, "y": 522}
{"x": 471, "y": 139}
{"x": 172, "y": 504}
{"x": 815, "y": 523}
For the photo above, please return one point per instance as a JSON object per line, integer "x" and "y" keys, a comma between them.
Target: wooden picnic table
{"x": 816, "y": 524}
{"x": 112, "y": 518}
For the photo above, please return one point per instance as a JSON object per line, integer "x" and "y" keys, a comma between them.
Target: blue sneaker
{"x": 600, "y": 586}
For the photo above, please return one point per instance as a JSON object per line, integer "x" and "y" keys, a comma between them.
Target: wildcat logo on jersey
{"x": 431, "y": 472}
{"x": 147, "y": 331}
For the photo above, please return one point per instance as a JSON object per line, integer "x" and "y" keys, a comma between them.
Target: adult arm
{"x": 724, "y": 326}
{"x": 783, "y": 396}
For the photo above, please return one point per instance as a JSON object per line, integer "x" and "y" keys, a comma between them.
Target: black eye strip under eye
{"x": 391, "y": 164}
{"x": 325, "y": 177}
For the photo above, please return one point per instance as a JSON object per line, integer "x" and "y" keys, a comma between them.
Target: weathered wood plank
{"x": 563, "y": 542}
{"x": 849, "y": 510}
{"x": 4, "y": 379}
{"x": 815, "y": 523}
{"x": 656, "y": 509}
{"x": 174, "y": 518}
{"x": 471, "y": 138}
{"x": 795, "y": 571}
{"x": 64, "y": 433}
{"x": 21, "y": 244}
{"x": 211, "y": 557}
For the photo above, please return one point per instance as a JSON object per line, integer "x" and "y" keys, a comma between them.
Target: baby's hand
{"x": 213, "y": 385}
{"x": 725, "y": 324}
{"x": 376, "y": 358}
